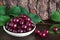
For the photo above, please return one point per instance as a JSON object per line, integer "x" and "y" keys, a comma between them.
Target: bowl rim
{"x": 18, "y": 33}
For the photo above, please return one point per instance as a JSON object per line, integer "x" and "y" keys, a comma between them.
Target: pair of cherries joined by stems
{"x": 45, "y": 32}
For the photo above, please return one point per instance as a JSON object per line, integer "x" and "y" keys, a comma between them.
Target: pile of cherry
{"x": 24, "y": 24}
{"x": 45, "y": 32}
{"x": 41, "y": 33}
{"x": 20, "y": 24}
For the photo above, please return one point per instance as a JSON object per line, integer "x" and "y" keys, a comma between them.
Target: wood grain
{"x": 39, "y": 7}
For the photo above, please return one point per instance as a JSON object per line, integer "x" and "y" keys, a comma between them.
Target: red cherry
{"x": 17, "y": 20}
{"x": 18, "y": 31}
{"x": 29, "y": 29}
{"x": 28, "y": 19}
{"x": 21, "y": 31}
{"x": 12, "y": 25}
{"x": 15, "y": 31}
{"x": 19, "y": 27}
{"x": 28, "y": 24}
{"x": 15, "y": 25}
{"x": 21, "y": 21}
{"x": 42, "y": 34}
{"x": 7, "y": 24}
{"x": 46, "y": 31}
{"x": 13, "y": 20}
{"x": 25, "y": 31}
{"x": 32, "y": 25}
{"x": 55, "y": 29}
{"x": 6, "y": 27}
{"x": 37, "y": 31}
{"x": 23, "y": 16}
{"x": 11, "y": 30}
{"x": 20, "y": 18}
{"x": 24, "y": 26}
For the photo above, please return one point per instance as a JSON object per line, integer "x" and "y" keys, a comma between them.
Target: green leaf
{"x": 14, "y": 11}
{"x": 3, "y": 20}
{"x": 51, "y": 29}
{"x": 35, "y": 18}
{"x": 2, "y": 10}
{"x": 24, "y": 11}
{"x": 55, "y": 16}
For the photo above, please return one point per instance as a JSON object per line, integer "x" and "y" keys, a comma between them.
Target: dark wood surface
{"x": 33, "y": 36}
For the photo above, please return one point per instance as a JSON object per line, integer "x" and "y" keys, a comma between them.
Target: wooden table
{"x": 40, "y": 26}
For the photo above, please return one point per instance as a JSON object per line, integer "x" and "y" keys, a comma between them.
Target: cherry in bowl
{"x": 20, "y": 26}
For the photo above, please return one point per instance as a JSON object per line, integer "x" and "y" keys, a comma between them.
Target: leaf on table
{"x": 35, "y": 18}
{"x": 55, "y": 16}
{"x": 3, "y": 20}
{"x": 14, "y": 11}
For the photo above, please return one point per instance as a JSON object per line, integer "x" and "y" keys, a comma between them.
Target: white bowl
{"x": 19, "y": 34}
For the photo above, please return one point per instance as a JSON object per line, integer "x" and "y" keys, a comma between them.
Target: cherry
{"x": 46, "y": 31}
{"x": 42, "y": 34}
{"x": 7, "y": 24}
{"x": 15, "y": 31}
{"x": 17, "y": 20}
{"x": 32, "y": 25}
{"x": 13, "y": 20}
{"x": 29, "y": 29}
{"x": 19, "y": 27}
{"x": 21, "y": 21}
{"x": 6, "y": 27}
{"x": 12, "y": 25}
{"x": 28, "y": 19}
{"x": 25, "y": 31}
{"x": 15, "y": 25}
{"x": 37, "y": 31}
{"x": 24, "y": 26}
{"x": 18, "y": 31}
{"x": 20, "y": 24}
{"x": 21, "y": 31}
{"x": 55, "y": 29}
{"x": 28, "y": 24}
{"x": 23, "y": 16}
{"x": 11, "y": 30}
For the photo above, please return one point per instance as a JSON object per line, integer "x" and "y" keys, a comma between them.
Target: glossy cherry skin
{"x": 12, "y": 25}
{"x": 21, "y": 31}
{"x": 15, "y": 31}
{"x": 28, "y": 19}
{"x": 28, "y": 24}
{"x": 46, "y": 31}
{"x": 24, "y": 26}
{"x": 29, "y": 29}
{"x": 55, "y": 29}
{"x": 42, "y": 34}
{"x": 21, "y": 21}
{"x": 23, "y": 16}
{"x": 37, "y": 31}
{"x": 17, "y": 20}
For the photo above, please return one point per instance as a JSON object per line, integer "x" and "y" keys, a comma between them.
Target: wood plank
{"x": 23, "y": 3}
